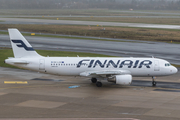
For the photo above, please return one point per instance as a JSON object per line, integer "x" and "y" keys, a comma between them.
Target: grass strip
{"x": 166, "y": 21}
{"x": 84, "y": 12}
{"x": 144, "y": 34}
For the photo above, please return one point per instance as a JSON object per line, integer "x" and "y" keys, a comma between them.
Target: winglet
{"x": 21, "y": 47}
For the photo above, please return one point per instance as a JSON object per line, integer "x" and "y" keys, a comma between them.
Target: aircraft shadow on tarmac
{"x": 172, "y": 85}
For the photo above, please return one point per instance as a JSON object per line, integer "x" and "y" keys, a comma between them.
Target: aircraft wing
{"x": 104, "y": 72}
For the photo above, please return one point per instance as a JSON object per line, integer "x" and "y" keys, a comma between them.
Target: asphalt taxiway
{"x": 121, "y": 48}
{"x": 50, "y": 96}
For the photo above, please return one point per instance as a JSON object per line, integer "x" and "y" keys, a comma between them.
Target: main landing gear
{"x": 153, "y": 82}
{"x": 93, "y": 80}
{"x": 98, "y": 83}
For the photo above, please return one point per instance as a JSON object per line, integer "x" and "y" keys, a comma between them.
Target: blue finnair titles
{"x": 112, "y": 69}
{"x": 117, "y": 64}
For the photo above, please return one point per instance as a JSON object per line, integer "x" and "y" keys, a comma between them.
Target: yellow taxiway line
{"x": 15, "y": 82}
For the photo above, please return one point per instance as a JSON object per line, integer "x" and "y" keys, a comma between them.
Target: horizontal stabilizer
{"x": 16, "y": 61}
{"x": 21, "y": 62}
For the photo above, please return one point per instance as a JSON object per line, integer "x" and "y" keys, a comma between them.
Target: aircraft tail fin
{"x": 21, "y": 47}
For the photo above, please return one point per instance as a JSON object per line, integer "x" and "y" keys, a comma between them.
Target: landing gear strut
{"x": 153, "y": 82}
{"x": 93, "y": 80}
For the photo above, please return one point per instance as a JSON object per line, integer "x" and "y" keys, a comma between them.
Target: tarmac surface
{"x": 50, "y": 96}
{"x": 71, "y": 22}
{"x": 120, "y": 48}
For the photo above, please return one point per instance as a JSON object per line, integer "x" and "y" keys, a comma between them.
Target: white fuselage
{"x": 113, "y": 69}
{"x": 76, "y": 65}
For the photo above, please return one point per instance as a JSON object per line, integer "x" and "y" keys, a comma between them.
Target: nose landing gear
{"x": 153, "y": 82}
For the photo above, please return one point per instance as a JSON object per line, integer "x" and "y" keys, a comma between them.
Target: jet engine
{"x": 120, "y": 79}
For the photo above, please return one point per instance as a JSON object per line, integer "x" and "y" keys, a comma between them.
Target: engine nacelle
{"x": 121, "y": 79}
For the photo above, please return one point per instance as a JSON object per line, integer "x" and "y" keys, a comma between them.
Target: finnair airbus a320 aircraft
{"x": 112, "y": 69}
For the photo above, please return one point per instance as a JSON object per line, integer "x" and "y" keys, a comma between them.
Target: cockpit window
{"x": 167, "y": 64}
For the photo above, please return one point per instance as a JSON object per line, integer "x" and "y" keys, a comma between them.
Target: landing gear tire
{"x": 93, "y": 80}
{"x": 153, "y": 83}
{"x": 99, "y": 84}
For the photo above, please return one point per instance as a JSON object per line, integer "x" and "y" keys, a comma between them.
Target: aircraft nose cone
{"x": 174, "y": 70}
